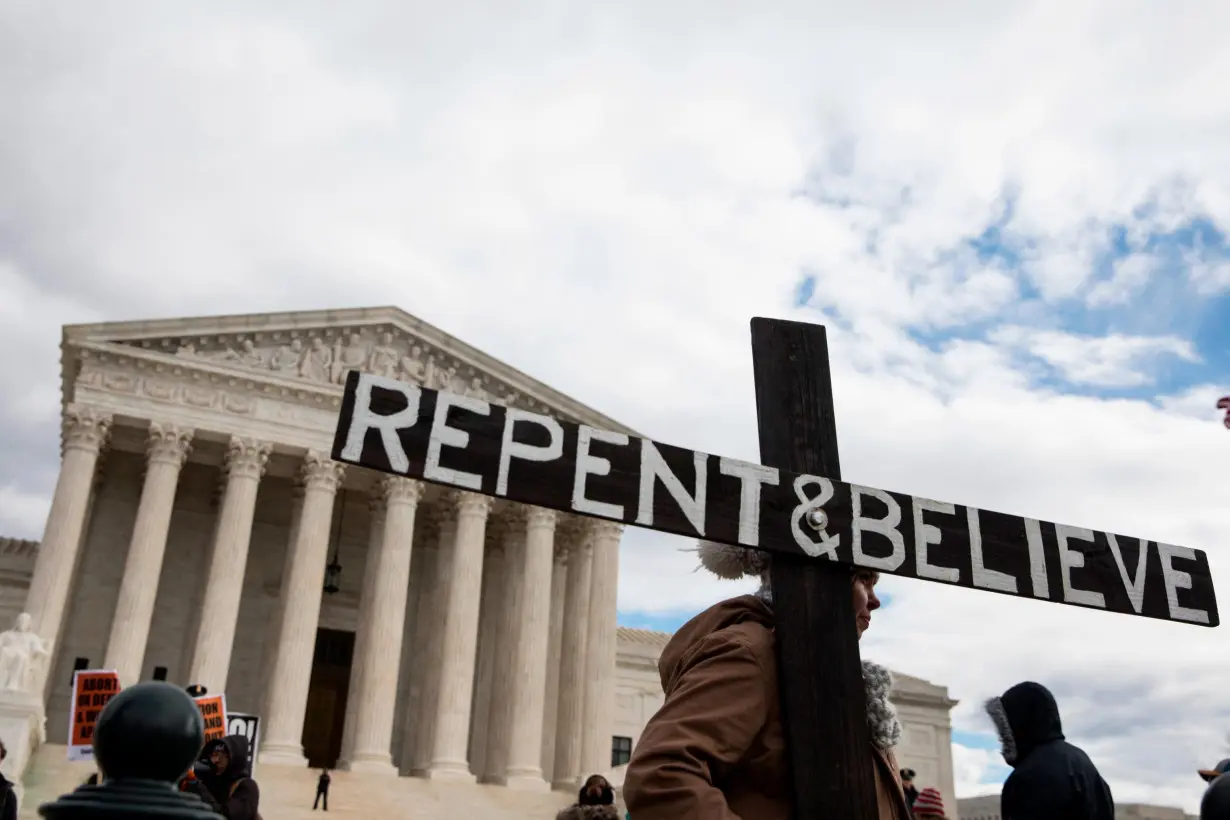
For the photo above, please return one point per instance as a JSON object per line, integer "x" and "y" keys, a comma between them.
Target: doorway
{"x": 325, "y": 719}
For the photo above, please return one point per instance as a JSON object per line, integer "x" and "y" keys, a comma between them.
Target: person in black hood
{"x": 1051, "y": 778}
{"x": 228, "y": 787}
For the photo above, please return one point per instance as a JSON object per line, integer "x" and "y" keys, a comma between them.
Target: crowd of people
{"x": 716, "y": 747}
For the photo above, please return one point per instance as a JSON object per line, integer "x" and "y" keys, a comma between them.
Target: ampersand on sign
{"x": 1224, "y": 404}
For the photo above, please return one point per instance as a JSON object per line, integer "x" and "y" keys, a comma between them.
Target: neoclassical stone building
{"x": 200, "y": 533}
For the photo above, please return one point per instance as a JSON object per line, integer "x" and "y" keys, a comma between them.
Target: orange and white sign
{"x": 92, "y": 688}
{"x": 213, "y": 710}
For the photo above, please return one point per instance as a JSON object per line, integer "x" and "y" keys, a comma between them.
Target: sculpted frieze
{"x": 167, "y": 390}
{"x": 323, "y": 358}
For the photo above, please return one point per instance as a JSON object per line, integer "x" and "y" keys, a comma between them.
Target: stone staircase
{"x": 287, "y": 792}
{"x": 49, "y": 775}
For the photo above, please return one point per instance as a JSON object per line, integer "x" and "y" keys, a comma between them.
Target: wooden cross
{"x": 795, "y": 506}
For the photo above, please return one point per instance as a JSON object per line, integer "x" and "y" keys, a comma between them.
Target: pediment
{"x": 317, "y": 349}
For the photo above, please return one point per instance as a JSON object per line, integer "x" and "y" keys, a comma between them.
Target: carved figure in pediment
{"x": 247, "y": 355}
{"x": 444, "y": 379}
{"x": 352, "y": 356}
{"x": 251, "y": 356}
{"x": 188, "y": 349}
{"x": 317, "y": 363}
{"x": 286, "y": 358}
{"x": 429, "y": 371}
{"x": 508, "y": 398}
{"x": 475, "y": 388}
{"x": 22, "y": 654}
{"x": 410, "y": 366}
{"x": 384, "y": 358}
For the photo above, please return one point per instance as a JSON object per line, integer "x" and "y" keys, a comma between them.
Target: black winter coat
{"x": 1051, "y": 778}
{"x": 233, "y": 793}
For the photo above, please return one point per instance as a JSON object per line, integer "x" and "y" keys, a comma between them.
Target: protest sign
{"x": 92, "y": 688}
{"x": 238, "y": 723}
{"x": 213, "y": 710}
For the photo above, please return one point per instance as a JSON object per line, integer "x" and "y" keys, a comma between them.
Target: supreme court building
{"x": 200, "y": 533}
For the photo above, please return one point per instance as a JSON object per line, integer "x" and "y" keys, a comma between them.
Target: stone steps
{"x": 287, "y": 793}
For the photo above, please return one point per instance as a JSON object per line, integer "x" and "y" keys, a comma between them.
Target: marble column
{"x": 530, "y": 618}
{"x": 167, "y": 447}
{"x": 429, "y": 635}
{"x": 385, "y": 623}
{"x": 424, "y": 551}
{"x": 244, "y": 465}
{"x": 559, "y": 584}
{"x": 503, "y": 668}
{"x": 598, "y": 719}
{"x": 84, "y": 432}
{"x": 303, "y": 578}
{"x": 491, "y": 612}
{"x": 571, "y": 699}
{"x": 371, "y": 566}
{"x": 273, "y": 625}
{"x": 463, "y": 585}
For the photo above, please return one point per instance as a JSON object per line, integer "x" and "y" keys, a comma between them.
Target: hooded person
{"x": 1051, "y": 779}
{"x": 595, "y": 801}
{"x": 227, "y": 787}
{"x": 716, "y": 748}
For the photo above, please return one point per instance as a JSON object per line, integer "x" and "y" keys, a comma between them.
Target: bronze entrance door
{"x": 324, "y": 720}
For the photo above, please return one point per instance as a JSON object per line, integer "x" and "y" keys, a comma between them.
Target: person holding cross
{"x": 716, "y": 749}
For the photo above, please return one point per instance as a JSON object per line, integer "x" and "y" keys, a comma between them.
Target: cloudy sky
{"x": 1012, "y": 216}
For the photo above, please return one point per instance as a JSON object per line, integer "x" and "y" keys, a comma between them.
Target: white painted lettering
{"x": 363, "y": 418}
{"x": 828, "y": 543}
{"x": 886, "y": 526}
{"x": 444, "y": 436}
{"x": 1070, "y": 559}
{"x": 588, "y": 465}
{"x": 1037, "y": 559}
{"x": 751, "y": 477}
{"x": 1135, "y": 587}
{"x": 510, "y": 449}
{"x": 654, "y": 468}
{"x": 926, "y": 534}
{"x": 1177, "y": 579}
{"x": 983, "y": 577}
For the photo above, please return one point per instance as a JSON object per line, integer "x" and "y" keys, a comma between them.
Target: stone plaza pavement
{"x": 287, "y": 792}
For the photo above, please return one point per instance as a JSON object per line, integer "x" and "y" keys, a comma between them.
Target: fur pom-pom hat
{"x": 732, "y": 563}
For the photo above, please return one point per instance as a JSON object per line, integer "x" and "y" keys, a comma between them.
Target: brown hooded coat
{"x": 715, "y": 750}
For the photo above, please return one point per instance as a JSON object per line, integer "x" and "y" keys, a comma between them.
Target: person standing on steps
{"x": 322, "y": 790}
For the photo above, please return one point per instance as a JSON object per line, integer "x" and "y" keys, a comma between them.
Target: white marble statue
{"x": 22, "y": 653}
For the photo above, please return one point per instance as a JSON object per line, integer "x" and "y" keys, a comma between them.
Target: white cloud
{"x": 970, "y": 767}
{"x": 604, "y": 197}
{"x": 1114, "y": 360}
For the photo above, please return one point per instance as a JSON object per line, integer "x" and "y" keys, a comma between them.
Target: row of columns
{"x": 553, "y": 620}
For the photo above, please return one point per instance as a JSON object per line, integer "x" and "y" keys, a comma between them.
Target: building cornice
{"x": 162, "y": 337}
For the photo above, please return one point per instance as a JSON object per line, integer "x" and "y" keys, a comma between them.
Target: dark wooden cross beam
{"x": 795, "y": 506}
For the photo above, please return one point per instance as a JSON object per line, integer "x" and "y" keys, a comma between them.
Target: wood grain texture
{"x": 823, "y": 698}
